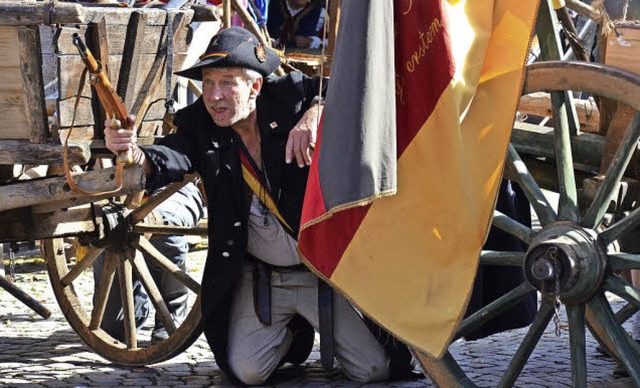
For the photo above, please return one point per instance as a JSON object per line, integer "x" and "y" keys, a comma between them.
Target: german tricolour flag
{"x": 411, "y": 150}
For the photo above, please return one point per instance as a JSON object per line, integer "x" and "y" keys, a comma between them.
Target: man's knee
{"x": 372, "y": 371}
{"x": 249, "y": 372}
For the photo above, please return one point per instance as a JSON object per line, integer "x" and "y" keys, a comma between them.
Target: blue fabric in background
{"x": 262, "y": 8}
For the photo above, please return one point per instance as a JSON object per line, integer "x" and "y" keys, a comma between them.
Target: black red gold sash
{"x": 252, "y": 178}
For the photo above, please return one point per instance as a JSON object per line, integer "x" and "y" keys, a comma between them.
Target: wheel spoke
{"x": 125, "y": 277}
{"x": 568, "y": 202}
{"x": 151, "y": 252}
{"x": 529, "y": 342}
{"x": 505, "y": 258}
{"x": 594, "y": 215}
{"x": 493, "y": 309}
{"x": 143, "y": 228}
{"x": 534, "y": 194}
{"x": 103, "y": 291}
{"x": 513, "y": 227}
{"x": 622, "y": 261}
{"x": 616, "y": 335}
{"x": 141, "y": 212}
{"x": 577, "y": 341}
{"x": 619, "y": 287}
{"x": 80, "y": 266}
{"x": 626, "y": 312}
{"x": 445, "y": 372}
{"x": 141, "y": 269}
{"x": 620, "y": 228}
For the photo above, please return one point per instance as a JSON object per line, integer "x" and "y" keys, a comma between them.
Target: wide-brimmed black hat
{"x": 234, "y": 47}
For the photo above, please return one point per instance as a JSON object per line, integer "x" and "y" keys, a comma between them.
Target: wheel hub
{"x": 567, "y": 260}
{"x": 116, "y": 233}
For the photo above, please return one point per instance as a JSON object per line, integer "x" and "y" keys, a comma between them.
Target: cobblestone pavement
{"x": 48, "y": 353}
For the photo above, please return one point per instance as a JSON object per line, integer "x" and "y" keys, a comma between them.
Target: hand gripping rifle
{"x": 111, "y": 102}
{"x": 114, "y": 108}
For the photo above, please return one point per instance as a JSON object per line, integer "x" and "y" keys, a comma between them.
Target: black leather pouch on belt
{"x": 262, "y": 291}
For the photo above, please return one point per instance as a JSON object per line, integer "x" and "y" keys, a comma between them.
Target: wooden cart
{"x": 39, "y": 88}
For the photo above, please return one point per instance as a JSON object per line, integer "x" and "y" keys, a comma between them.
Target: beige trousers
{"x": 255, "y": 350}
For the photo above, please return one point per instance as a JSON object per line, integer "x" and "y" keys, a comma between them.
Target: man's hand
{"x": 302, "y": 138}
{"x": 117, "y": 138}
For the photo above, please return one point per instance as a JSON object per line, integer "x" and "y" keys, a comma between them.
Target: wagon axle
{"x": 567, "y": 260}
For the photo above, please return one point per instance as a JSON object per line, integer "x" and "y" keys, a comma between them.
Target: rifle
{"x": 111, "y": 102}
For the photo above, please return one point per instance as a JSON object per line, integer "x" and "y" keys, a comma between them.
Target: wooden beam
{"x": 539, "y": 104}
{"x": 32, "y": 84}
{"x": 24, "y": 152}
{"x": 23, "y": 13}
{"x": 22, "y": 225}
{"x": 42, "y": 191}
{"x": 538, "y": 141}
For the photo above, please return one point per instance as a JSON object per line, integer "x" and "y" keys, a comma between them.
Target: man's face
{"x": 228, "y": 95}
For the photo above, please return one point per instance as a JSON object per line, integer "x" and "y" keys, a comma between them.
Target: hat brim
{"x": 235, "y": 59}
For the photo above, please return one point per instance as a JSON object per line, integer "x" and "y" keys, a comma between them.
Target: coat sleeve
{"x": 175, "y": 156}
{"x": 179, "y": 153}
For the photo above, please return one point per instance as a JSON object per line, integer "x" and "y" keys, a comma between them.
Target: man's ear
{"x": 256, "y": 86}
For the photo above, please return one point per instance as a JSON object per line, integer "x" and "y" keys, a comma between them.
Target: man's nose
{"x": 215, "y": 93}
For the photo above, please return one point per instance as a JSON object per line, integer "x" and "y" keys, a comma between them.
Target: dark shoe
{"x": 619, "y": 372}
{"x": 301, "y": 342}
{"x": 159, "y": 334}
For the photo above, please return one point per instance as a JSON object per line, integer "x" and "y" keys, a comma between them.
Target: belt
{"x": 262, "y": 305}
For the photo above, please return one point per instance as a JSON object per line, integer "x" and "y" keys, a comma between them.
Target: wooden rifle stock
{"x": 111, "y": 102}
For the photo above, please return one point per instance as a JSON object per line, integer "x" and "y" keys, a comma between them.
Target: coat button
{"x": 237, "y": 224}
{"x": 230, "y": 242}
{"x": 225, "y": 254}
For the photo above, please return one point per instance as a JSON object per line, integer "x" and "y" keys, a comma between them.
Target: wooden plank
{"x": 78, "y": 133}
{"x": 539, "y": 104}
{"x": 41, "y": 191}
{"x": 130, "y": 65}
{"x": 33, "y": 84}
{"x": 12, "y": 105}
{"x": 9, "y": 46}
{"x": 23, "y": 13}
{"x": 22, "y": 225}
{"x": 70, "y": 69}
{"x": 620, "y": 50}
{"x": 117, "y": 36}
{"x": 119, "y": 16}
{"x": 24, "y": 152}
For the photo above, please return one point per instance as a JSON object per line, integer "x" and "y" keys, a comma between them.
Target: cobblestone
{"x": 48, "y": 353}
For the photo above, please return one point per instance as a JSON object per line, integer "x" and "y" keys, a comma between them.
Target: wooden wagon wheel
{"x": 583, "y": 260}
{"x": 122, "y": 248}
